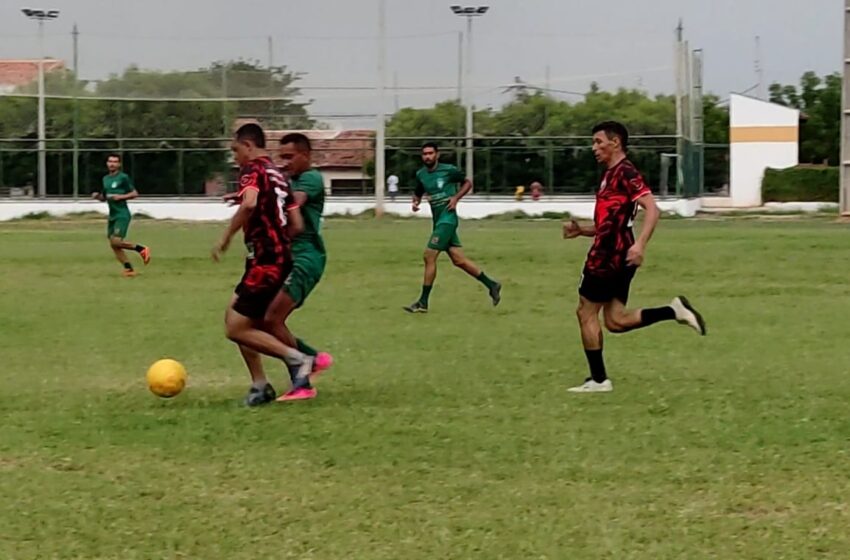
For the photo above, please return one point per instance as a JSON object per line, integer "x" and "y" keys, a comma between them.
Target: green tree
{"x": 819, "y": 100}
{"x": 168, "y": 144}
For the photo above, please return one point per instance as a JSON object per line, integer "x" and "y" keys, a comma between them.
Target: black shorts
{"x": 258, "y": 287}
{"x": 602, "y": 289}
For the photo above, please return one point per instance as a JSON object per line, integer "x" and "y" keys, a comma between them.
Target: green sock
{"x": 426, "y": 293}
{"x": 485, "y": 280}
{"x": 305, "y": 348}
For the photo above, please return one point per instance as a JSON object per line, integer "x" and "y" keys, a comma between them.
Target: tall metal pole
{"x": 76, "y": 143}
{"x": 458, "y": 151}
{"x": 550, "y": 157}
{"x": 380, "y": 140}
{"x": 42, "y": 156}
{"x": 470, "y": 165}
{"x": 759, "y": 72}
{"x": 395, "y": 89}
{"x": 459, "y": 66}
{"x": 680, "y": 120}
{"x": 270, "y": 47}
{"x": 844, "y": 195}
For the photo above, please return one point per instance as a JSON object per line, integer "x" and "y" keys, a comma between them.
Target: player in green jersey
{"x": 308, "y": 265}
{"x": 117, "y": 190}
{"x": 445, "y": 186}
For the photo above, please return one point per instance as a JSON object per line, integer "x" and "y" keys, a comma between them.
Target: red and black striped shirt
{"x": 265, "y": 231}
{"x": 614, "y": 214}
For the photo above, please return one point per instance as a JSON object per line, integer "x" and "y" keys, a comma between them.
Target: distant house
{"x": 17, "y": 73}
{"x": 340, "y": 155}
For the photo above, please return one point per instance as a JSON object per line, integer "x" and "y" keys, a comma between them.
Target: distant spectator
{"x": 519, "y": 192}
{"x": 536, "y": 190}
{"x": 392, "y": 186}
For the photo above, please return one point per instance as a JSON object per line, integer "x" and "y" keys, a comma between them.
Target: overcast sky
{"x": 615, "y": 42}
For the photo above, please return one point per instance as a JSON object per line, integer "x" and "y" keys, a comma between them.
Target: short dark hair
{"x": 253, "y": 133}
{"x": 116, "y": 156}
{"x": 614, "y": 128}
{"x": 431, "y": 145}
{"x": 300, "y": 141}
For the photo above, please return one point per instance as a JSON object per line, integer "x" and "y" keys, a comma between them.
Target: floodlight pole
{"x": 844, "y": 192}
{"x": 380, "y": 132}
{"x": 41, "y": 16}
{"x": 469, "y": 12}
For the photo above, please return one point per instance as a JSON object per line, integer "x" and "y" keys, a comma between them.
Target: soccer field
{"x": 447, "y": 435}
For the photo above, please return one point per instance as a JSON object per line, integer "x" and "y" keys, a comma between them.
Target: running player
{"x": 309, "y": 257}
{"x": 445, "y": 186}
{"x": 616, "y": 255}
{"x": 117, "y": 190}
{"x": 269, "y": 216}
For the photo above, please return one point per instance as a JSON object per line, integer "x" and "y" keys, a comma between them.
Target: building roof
{"x": 15, "y": 73}
{"x": 347, "y": 149}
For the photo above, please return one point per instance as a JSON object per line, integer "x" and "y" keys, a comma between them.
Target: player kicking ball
{"x": 270, "y": 218}
{"x": 308, "y": 265}
{"x": 616, "y": 255}
{"x": 117, "y": 190}
{"x": 445, "y": 186}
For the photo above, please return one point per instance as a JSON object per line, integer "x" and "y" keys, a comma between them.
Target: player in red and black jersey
{"x": 616, "y": 255}
{"x": 270, "y": 219}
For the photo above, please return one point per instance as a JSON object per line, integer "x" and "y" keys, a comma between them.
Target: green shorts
{"x": 117, "y": 226}
{"x": 307, "y": 269}
{"x": 443, "y": 237}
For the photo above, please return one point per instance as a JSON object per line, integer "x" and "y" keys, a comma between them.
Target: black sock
{"x": 597, "y": 365}
{"x": 656, "y": 314}
{"x": 128, "y": 266}
{"x": 139, "y": 248}
{"x": 426, "y": 293}
{"x": 305, "y": 348}
{"x": 487, "y": 281}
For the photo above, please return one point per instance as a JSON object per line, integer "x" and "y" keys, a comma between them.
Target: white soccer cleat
{"x": 591, "y": 386}
{"x": 687, "y": 315}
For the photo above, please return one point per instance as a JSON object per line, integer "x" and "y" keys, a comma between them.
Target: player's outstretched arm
{"x": 237, "y": 222}
{"x": 573, "y": 229}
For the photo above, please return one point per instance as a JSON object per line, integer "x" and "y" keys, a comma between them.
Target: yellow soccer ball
{"x": 166, "y": 378}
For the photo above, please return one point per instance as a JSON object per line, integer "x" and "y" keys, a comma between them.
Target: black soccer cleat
{"x": 416, "y": 307}
{"x": 258, "y": 397}
{"x": 496, "y": 293}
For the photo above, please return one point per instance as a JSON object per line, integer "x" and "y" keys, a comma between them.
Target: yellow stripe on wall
{"x": 764, "y": 134}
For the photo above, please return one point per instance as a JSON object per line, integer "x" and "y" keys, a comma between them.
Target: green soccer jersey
{"x": 440, "y": 185}
{"x": 310, "y": 183}
{"x": 120, "y": 183}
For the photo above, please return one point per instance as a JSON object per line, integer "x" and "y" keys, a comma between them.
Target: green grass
{"x": 441, "y": 436}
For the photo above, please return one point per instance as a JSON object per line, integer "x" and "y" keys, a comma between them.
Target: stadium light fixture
{"x": 469, "y": 12}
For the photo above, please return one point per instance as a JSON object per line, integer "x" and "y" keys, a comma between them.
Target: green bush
{"x": 800, "y": 184}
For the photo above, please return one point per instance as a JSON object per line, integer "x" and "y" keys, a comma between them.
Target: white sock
{"x": 259, "y": 383}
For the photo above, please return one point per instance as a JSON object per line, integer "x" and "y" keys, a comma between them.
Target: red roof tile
{"x": 14, "y": 73}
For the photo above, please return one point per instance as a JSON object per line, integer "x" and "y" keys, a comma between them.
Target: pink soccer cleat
{"x": 302, "y": 394}
{"x": 321, "y": 362}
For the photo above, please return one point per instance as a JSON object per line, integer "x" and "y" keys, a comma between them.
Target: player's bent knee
{"x": 615, "y": 323}
{"x": 614, "y": 326}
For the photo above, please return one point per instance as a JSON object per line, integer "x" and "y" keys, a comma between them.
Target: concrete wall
{"x": 761, "y": 135}
{"x": 202, "y": 210}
